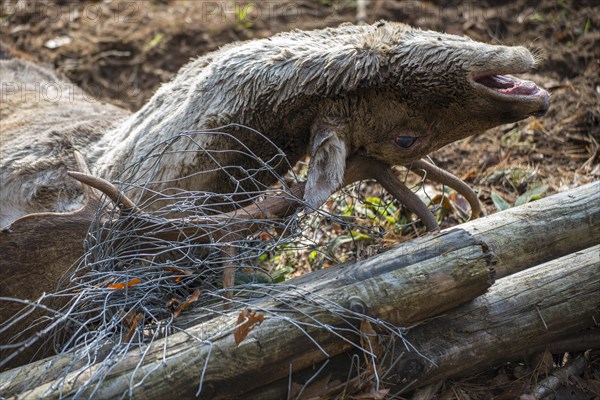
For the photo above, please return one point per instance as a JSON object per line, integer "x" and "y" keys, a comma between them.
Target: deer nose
{"x": 544, "y": 104}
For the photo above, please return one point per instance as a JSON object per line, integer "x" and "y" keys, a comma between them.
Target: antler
{"x": 426, "y": 169}
{"x": 271, "y": 207}
{"x": 201, "y": 229}
{"x": 243, "y": 220}
{"x": 359, "y": 168}
{"x": 117, "y": 197}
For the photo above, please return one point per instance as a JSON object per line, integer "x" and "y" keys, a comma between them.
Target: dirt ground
{"x": 121, "y": 51}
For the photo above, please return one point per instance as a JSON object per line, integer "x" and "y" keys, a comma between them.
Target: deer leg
{"x": 359, "y": 168}
{"x": 437, "y": 174}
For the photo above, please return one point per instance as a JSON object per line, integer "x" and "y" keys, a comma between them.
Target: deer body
{"x": 383, "y": 92}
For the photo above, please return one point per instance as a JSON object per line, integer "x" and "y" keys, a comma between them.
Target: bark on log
{"x": 525, "y": 312}
{"x": 549, "y": 228}
{"x": 428, "y": 284}
{"x": 385, "y": 290}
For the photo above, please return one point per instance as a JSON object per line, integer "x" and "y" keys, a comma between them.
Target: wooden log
{"x": 381, "y": 289}
{"x": 526, "y": 310}
{"x": 395, "y": 286}
{"x": 529, "y": 311}
{"x": 547, "y": 229}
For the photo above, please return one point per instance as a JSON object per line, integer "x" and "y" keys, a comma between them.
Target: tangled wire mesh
{"x": 142, "y": 268}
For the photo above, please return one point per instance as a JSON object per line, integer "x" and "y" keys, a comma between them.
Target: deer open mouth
{"x": 534, "y": 100}
{"x": 509, "y": 85}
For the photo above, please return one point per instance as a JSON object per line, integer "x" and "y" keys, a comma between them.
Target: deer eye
{"x": 405, "y": 141}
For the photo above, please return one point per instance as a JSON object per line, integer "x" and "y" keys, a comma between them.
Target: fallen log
{"x": 396, "y": 287}
{"x": 527, "y": 312}
{"x": 548, "y": 228}
{"x": 407, "y": 284}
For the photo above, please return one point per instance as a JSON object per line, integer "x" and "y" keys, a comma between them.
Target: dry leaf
{"x": 178, "y": 271}
{"x": 368, "y": 341}
{"x": 266, "y": 236}
{"x": 460, "y": 204}
{"x": 173, "y": 304}
{"x": 194, "y": 297}
{"x": 536, "y": 125}
{"x": 132, "y": 282}
{"x": 129, "y": 317}
{"x": 132, "y": 326}
{"x": 245, "y": 323}
{"x": 443, "y": 201}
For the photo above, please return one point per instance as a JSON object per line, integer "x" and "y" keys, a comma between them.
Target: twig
{"x": 552, "y": 382}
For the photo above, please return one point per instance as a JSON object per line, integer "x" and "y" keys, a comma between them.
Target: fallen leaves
{"x": 194, "y": 297}
{"x": 245, "y": 323}
{"x": 133, "y": 322}
{"x": 119, "y": 286}
{"x": 453, "y": 202}
{"x": 180, "y": 272}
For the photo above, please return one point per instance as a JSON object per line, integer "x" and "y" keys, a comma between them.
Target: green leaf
{"x": 537, "y": 17}
{"x": 159, "y": 37}
{"x": 348, "y": 210}
{"x": 373, "y": 200}
{"x": 587, "y": 27}
{"x": 532, "y": 194}
{"x": 499, "y": 202}
{"x": 356, "y": 236}
{"x": 282, "y": 274}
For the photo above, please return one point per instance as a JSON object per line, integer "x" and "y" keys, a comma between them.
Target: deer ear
{"x": 326, "y": 167}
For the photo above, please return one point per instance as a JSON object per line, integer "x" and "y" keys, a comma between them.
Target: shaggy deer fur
{"x": 384, "y": 92}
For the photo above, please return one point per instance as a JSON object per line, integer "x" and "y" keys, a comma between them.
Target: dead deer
{"x": 386, "y": 93}
{"x": 356, "y": 99}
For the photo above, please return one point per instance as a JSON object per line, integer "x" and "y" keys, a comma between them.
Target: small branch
{"x": 549, "y": 385}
